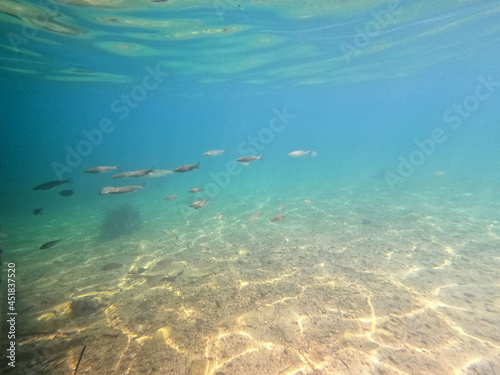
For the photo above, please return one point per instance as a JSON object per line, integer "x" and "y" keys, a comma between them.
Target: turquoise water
{"x": 386, "y": 259}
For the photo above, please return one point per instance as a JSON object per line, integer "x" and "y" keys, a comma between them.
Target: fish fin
{"x": 143, "y": 185}
{"x": 197, "y": 166}
{"x": 117, "y": 167}
{"x": 225, "y": 151}
{"x": 260, "y": 157}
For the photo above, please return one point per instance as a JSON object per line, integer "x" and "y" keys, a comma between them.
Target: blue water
{"x": 394, "y": 219}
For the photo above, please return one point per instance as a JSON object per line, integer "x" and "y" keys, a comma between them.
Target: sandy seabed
{"x": 338, "y": 286}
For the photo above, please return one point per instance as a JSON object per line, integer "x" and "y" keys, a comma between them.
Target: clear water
{"x": 387, "y": 258}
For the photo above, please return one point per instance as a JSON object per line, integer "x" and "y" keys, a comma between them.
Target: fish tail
{"x": 197, "y": 166}
{"x": 225, "y": 151}
{"x": 260, "y": 157}
{"x": 143, "y": 185}
{"x": 117, "y": 167}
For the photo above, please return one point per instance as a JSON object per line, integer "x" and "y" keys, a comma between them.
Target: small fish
{"x": 369, "y": 345}
{"x": 121, "y": 190}
{"x": 111, "y": 266}
{"x": 439, "y": 173}
{"x": 66, "y": 193}
{"x": 187, "y": 168}
{"x": 49, "y": 244}
{"x": 170, "y": 233}
{"x": 52, "y": 184}
{"x": 254, "y": 216}
{"x": 214, "y": 153}
{"x": 278, "y": 217}
{"x": 195, "y": 190}
{"x": 219, "y": 217}
{"x": 299, "y": 154}
{"x": 158, "y": 173}
{"x": 199, "y": 204}
{"x": 141, "y": 173}
{"x": 122, "y": 175}
{"x": 100, "y": 169}
{"x": 280, "y": 207}
{"x": 37, "y": 211}
{"x": 245, "y": 160}
{"x": 307, "y": 201}
{"x": 169, "y": 197}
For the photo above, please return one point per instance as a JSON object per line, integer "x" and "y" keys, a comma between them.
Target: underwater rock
{"x": 85, "y": 306}
{"x": 161, "y": 336}
{"x": 200, "y": 367}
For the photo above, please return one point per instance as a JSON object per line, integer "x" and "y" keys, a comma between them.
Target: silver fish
{"x": 214, "y": 153}
{"x": 254, "y": 216}
{"x": 245, "y": 160}
{"x": 199, "y": 204}
{"x": 299, "y": 154}
{"x": 278, "y": 217}
{"x": 122, "y": 175}
{"x": 139, "y": 173}
{"x": 187, "y": 168}
{"x": 100, "y": 169}
{"x": 195, "y": 190}
{"x": 169, "y": 197}
{"x": 121, "y": 190}
{"x": 158, "y": 173}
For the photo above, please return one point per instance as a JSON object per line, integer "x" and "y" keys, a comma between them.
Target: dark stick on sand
{"x": 78, "y": 364}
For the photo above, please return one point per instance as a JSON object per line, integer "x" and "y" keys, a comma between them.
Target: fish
{"x": 214, "y": 153}
{"x": 245, "y": 160}
{"x": 139, "y": 173}
{"x": 158, "y": 173}
{"x": 198, "y": 204}
{"x": 278, "y": 217}
{"x": 254, "y": 216}
{"x": 187, "y": 168}
{"x": 111, "y": 266}
{"x": 195, "y": 190}
{"x": 439, "y": 173}
{"x": 66, "y": 193}
{"x": 169, "y": 197}
{"x": 219, "y": 217}
{"x": 307, "y": 201}
{"x": 170, "y": 233}
{"x": 122, "y": 175}
{"x": 37, "y": 211}
{"x": 100, "y": 169}
{"x": 300, "y": 154}
{"x": 49, "y": 244}
{"x": 369, "y": 345}
{"x": 280, "y": 207}
{"x": 121, "y": 190}
{"x": 52, "y": 184}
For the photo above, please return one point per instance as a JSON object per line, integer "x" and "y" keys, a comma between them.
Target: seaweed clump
{"x": 119, "y": 221}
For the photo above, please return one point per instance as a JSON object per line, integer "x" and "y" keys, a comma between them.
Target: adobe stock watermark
{"x": 121, "y": 108}
{"x": 454, "y": 115}
{"x": 31, "y": 28}
{"x": 253, "y": 145}
{"x": 372, "y": 29}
